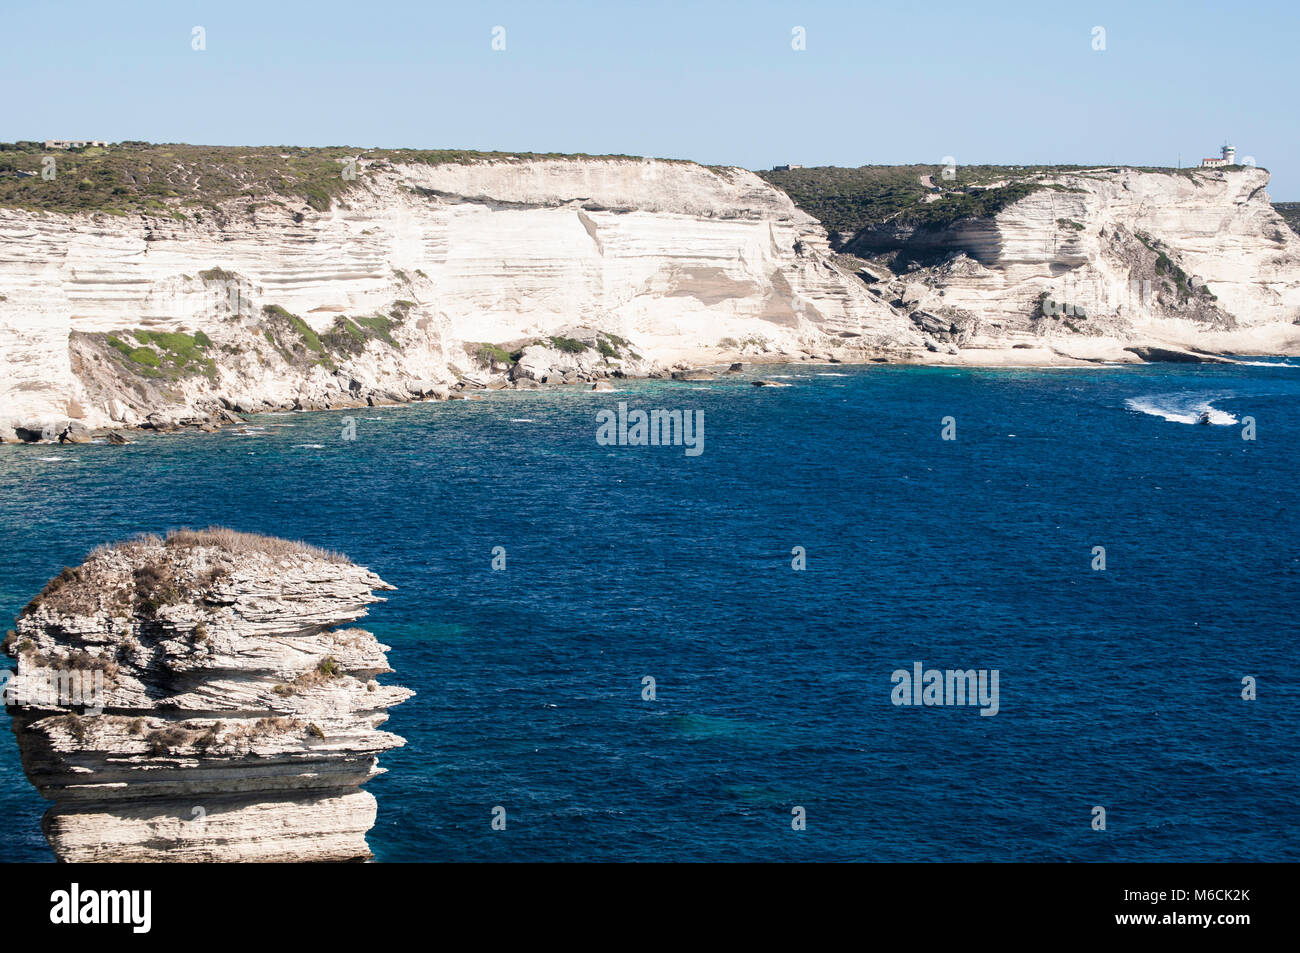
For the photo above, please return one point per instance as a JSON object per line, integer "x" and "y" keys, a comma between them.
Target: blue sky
{"x": 715, "y": 82}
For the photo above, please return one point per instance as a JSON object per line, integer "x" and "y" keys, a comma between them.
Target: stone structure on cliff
{"x": 203, "y": 698}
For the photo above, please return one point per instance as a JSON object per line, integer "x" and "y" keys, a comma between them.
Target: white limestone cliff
{"x": 650, "y": 265}
{"x": 1106, "y": 247}
{"x": 202, "y": 698}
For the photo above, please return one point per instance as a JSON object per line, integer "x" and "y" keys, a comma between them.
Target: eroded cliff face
{"x": 203, "y": 698}
{"x": 402, "y": 284}
{"x": 429, "y": 278}
{"x": 1106, "y": 259}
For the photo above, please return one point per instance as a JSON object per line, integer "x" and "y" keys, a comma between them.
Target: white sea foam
{"x": 1180, "y": 408}
{"x": 309, "y": 446}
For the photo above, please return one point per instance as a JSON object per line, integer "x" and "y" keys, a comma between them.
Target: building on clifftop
{"x": 1229, "y": 157}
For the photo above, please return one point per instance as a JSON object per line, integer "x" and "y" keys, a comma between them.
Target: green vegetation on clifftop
{"x": 846, "y": 201}
{"x": 1291, "y": 212}
{"x": 180, "y": 181}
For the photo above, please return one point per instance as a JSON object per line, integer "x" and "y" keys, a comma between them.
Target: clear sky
{"x": 716, "y": 82}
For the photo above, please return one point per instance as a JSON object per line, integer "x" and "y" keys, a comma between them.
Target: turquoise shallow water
{"x": 1118, "y": 688}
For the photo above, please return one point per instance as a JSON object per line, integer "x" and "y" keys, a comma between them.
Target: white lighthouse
{"x": 1229, "y": 157}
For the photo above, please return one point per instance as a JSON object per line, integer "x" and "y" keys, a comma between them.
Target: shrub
{"x": 381, "y": 327}
{"x": 568, "y": 345}
{"x": 63, "y": 593}
{"x": 488, "y": 354}
{"x": 345, "y": 336}
{"x": 75, "y": 725}
{"x": 176, "y": 351}
{"x": 164, "y": 741}
{"x": 144, "y": 356}
{"x": 237, "y": 543}
{"x": 155, "y": 587}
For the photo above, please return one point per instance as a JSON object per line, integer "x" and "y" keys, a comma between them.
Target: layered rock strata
{"x": 203, "y": 698}
{"x": 1097, "y": 261}
{"x": 423, "y": 279}
{"x": 428, "y": 281}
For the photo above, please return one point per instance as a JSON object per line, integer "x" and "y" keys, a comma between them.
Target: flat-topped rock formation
{"x": 203, "y": 698}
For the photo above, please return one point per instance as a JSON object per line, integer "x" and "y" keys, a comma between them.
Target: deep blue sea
{"x": 1118, "y": 688}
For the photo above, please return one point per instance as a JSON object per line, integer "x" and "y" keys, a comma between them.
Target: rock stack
{"x": 200, "y": 698}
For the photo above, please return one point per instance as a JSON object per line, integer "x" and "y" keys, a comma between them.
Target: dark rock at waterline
{"x": 75, "y": 433}
{"x": 1172, "y": 356}
{"x": 158, "y": 422}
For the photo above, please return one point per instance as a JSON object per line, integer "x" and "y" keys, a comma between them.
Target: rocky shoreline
{"x": 437, "y": 281}
{"x": 231, "y": 412}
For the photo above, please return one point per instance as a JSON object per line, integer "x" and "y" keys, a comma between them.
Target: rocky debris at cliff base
{"x": 75, "y": 433}
{"x": 1169, "y": 355}
{"x": 213, "y": 701}
{"x": 427, "y": 389}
